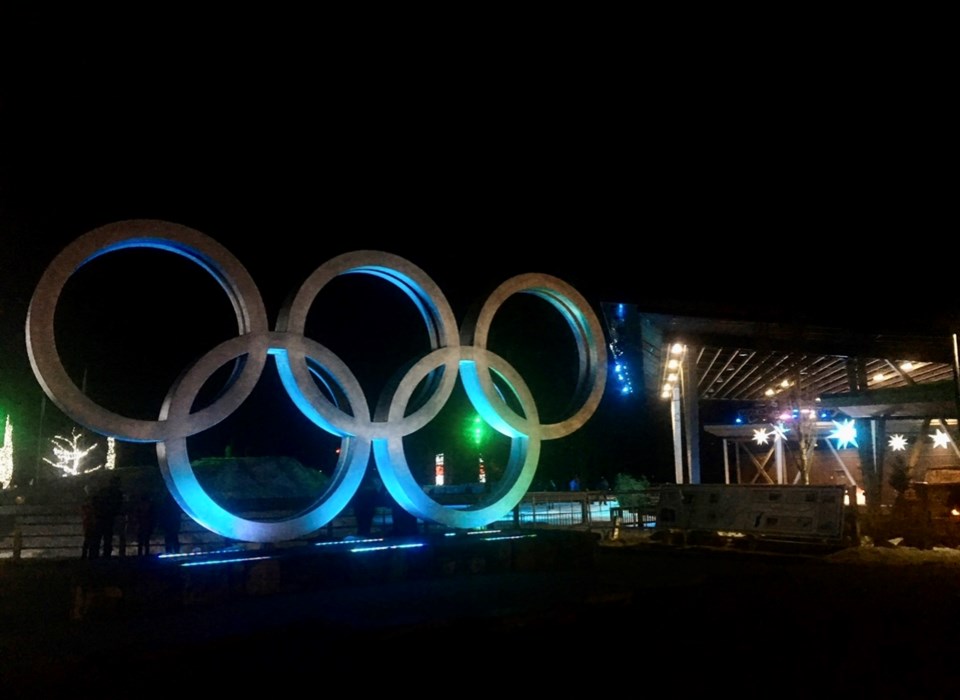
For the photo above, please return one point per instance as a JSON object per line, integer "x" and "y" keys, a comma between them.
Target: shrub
{"x": 632, "y": 492}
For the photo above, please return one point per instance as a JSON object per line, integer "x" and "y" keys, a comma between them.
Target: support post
{"x": 726, "y": 462}
{"x": 778, "y": 459}
{"x": 691, "y": 413}
{"x": 677, "y": 435}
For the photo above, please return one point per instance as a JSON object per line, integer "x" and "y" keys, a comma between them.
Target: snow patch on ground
{"x": 896, "y": 555}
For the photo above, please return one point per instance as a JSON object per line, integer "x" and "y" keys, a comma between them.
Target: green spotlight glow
{"x": 477, "y": 431}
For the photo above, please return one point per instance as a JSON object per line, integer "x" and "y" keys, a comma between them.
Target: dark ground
{"x": 632, "y": 620}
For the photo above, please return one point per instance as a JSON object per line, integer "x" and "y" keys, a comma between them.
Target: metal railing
{"x": 55, "y": 531}
{"x": 585, "y": 509}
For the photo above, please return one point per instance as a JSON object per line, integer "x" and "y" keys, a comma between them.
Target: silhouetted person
{"x": 403, "y": 522}
{"x": 107, "y": 506}
{"x": 365, "y": 502}
{"x": 88, "y": 520}
{"x": 168, "y": 518}
{"x": 145, "y": 522}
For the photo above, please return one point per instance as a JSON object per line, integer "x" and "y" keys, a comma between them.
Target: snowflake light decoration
{"x": 897, "y": 443}
{"x": 760, "y": 436}
{"x": 845, "y": 434}
{"x": 940, "y": 439}
{"x": 780, "y": 431}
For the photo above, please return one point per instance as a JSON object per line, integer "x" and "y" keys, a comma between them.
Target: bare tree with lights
{"x": 805, "y": 426}
{"x": 68, "y": 454}
{"x": 807, "y": 437}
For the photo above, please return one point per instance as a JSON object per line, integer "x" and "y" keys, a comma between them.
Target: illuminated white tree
{"x": 68, "y": 454}
{"x": 111, "y": 454}
{"x": 806, "y": 423}
{"x": 6, "y": 456}
{"x": 803, "y": 416}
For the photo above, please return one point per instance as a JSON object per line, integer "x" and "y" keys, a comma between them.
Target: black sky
{"x": 707, "y": 187}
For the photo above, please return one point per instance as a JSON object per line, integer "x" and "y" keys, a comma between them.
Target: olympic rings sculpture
{"x": 458, "y": 352}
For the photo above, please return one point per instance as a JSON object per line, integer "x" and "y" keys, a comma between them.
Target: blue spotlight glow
{"x": 363, "y": 550}
{"x": 184, "y": 555}
{"x": 508, "y": 537}
{"x": 348, "y": 542}
{"x": 213, "y": 562}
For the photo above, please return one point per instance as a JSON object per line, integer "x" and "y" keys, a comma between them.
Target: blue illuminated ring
{"x": 524, "y": 451}
{"x": 591, "y": 351}
{"x": 296, "y": 355}
{"x": 182, "y": 481}
{"x": 437, "y": 317}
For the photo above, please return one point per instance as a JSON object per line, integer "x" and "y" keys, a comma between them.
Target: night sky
{"x": 679, "y": 188}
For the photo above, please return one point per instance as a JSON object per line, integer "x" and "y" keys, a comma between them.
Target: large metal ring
{"x": 452, "y": 354}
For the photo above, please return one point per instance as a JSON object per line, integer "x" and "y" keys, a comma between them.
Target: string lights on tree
{"x": 6, "y": 455}
{"x": 68, "y": 454}
{"x": 111, "y": 462}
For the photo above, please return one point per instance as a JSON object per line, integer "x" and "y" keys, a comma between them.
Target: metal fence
{"x": 55, "y": 531}
{"x": 585, "y": 509}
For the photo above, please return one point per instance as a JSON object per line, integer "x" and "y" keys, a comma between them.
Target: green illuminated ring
{"x": 524, "y": 451}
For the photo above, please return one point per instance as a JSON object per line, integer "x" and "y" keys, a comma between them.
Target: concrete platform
{"x": 512, "y": 612}
{"x": 78, "y": 622}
